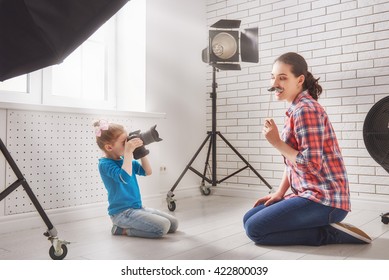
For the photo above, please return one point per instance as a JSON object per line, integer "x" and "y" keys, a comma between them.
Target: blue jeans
{"x": 295, "y": 221}
{"x": 145, "y": 222}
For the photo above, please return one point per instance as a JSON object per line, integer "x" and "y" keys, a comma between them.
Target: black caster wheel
{"x": 205, "y": 191}
{"x": 385, "y": 218}
{"x": 56, "y": 256}
{"x": 171, "y": 206}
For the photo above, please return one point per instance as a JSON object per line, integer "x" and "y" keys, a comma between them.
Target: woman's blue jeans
{"x": 293, "y": 221}
{"x": 145, "y": 222}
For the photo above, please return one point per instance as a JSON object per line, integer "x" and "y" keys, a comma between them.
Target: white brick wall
{"x": 346, "y": 44}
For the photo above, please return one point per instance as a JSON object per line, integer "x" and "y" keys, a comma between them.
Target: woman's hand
{"x": 270, "y": 130}
{"x": 269, "y": 199}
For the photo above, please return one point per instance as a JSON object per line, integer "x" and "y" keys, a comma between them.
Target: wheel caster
{"x": 60, "y": 255}
{"x": 171, "y": 206}
{"x": 171, "y": 202}
{"x": 205, "y": 191}
{"x": 385, "y": 218}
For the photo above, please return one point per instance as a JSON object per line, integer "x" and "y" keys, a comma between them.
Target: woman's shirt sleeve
{"x": 309, "y": 127}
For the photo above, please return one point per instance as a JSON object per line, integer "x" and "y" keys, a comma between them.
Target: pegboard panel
{"x": 58, "y": 156}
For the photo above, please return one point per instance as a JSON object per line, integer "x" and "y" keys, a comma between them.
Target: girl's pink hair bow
{"x": 103, "y": 125}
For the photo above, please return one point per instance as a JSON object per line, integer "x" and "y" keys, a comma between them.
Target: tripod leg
{"x": 169, "y": 197}
{"x": 244, "y": 160}
{"x": 190, "y": 163}
{"x": 205, "y": 190}
{"x": 25, "y": 185}
{"x": 58, "y": 250}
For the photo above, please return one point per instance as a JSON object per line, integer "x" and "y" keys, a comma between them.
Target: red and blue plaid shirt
{"x": 319, "y": 173}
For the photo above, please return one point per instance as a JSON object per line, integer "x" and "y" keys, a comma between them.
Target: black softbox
{"x": 38, "y": 33}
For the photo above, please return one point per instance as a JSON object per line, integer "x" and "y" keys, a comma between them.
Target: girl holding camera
{"x": 119, "y": 172}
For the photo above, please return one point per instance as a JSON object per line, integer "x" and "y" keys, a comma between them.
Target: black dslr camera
{"x": 147, "y": 137}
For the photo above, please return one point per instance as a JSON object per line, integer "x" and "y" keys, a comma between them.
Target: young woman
{"x": 314, "y": 169}
{"x": 118, "y": 171}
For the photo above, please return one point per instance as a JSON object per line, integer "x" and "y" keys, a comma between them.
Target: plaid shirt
{"x": 319, "y": 173}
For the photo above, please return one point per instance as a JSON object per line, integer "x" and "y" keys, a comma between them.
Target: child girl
{"x": 118, "y": 171}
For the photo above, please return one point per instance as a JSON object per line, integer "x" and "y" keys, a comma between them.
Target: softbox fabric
{"x": 39, "y": 33}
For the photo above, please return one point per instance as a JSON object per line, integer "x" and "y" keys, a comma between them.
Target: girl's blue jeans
{"x": 294, "y": 221}
{"x": 145, "y": 222}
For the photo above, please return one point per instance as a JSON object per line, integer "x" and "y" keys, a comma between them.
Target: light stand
{"x": 58, "y": 250}
{"x": 211, "y": 137}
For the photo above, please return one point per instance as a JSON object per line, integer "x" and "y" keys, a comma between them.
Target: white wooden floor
{"x": 210, "y": 228}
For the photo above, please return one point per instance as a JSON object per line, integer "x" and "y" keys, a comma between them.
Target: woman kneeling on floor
{"x": 314, "y": 169}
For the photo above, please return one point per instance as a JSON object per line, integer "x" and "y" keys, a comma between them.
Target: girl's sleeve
{"x": 114, "y": 172}
{"x": 138, "y": 169}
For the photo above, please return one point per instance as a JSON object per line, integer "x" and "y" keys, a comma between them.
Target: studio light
{"x": 228, "y": 46}
{"x": 376, "y": 132}
{"x": 376, "y": 137}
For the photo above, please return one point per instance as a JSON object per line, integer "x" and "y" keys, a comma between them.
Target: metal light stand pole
{"x": 58, "y": 250}
{"x": 212, "y": 147}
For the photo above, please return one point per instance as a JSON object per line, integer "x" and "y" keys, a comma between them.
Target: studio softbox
{"x": 38, "y": 33}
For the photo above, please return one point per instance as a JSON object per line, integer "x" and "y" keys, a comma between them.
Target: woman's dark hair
{"x": 300, "y": 67}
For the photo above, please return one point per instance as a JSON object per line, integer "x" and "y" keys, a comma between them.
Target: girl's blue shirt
{"x": 123, "y": 189}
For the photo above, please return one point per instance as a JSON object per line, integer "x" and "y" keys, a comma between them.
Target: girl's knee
{"x": 169, "y": 226}
{"x": 163, "y": 228}
{"x": 173, "y": 225}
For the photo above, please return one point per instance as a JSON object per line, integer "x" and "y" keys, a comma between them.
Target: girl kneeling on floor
{"x": 118, "y": 170}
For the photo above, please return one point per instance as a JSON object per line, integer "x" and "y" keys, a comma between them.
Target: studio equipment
{"x": 147, "y": 137}
{"x": 227, "y": 48}
{"x": 385, "y": 218}
{"x": 35, "y": 34}
{"x": 58, "y": 250}
{"x": 376, "y": 137}
{"x": 39, "y": 33}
